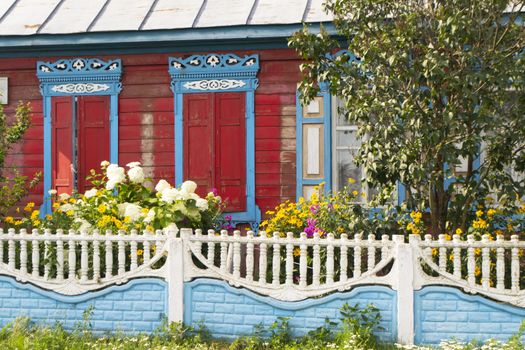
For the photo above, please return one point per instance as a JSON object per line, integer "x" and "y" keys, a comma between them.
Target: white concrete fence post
{"x": 403, "y": 283}
{"x": 176, "y": 255}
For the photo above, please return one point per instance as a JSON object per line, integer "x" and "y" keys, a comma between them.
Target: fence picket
{"x": 249, "y": 257}
{"x": 72, "y": 255}
{"x": 276, "y": 260}
{"x": 263, "y": 259}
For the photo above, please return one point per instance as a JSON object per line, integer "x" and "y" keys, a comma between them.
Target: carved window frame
{"x": 77, "y": 77}
{"x": 218, "y": 73}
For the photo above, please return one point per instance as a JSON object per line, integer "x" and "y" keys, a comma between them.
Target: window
{"x": 345, "y": 145}
{"x": 80, "y": 120}
{"x": 215, "y": 127}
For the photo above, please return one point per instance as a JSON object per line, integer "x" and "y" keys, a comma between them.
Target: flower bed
{"x": 124, "y": 200}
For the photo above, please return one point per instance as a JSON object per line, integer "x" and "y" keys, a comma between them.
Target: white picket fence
{"x": 72, "y": 263}
{"x": 278, "y": 265}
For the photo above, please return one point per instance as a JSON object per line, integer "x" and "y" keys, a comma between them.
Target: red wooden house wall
{"x": 146, "y": 118}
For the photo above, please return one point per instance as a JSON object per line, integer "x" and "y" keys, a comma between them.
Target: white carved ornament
{"x": 421, "y": 279}
{"x": 214, "y": 84}
{"x": 280, "y": 291}
{"x": 85, "y": 88}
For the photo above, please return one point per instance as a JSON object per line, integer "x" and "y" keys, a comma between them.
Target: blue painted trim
{"x": 46, "y": 204}
{"x": 212, "y": 66}
{"x": 181, "y": 40}
{"x": 55, "y": 77}
{"x": 419, "y": 296}
{"x": 326, "y": 120}
{"x": 298, "y": 146}
{"x": 287, "y": 305}
{"x": 74, "y": 299}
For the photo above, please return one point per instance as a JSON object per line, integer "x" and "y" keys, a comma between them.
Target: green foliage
{"x": 13, "y": 186}
{"x": 356, "y": 334}
{"x": 435, "y": 82}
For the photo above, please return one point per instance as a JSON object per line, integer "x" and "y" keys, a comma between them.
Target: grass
{"x": 353, "y": 333}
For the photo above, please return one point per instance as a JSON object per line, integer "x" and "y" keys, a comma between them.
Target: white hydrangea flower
{"x": 90, "y": 193}
{"x": 104, "y": 163}
{"x": 162, "y": 185}
{"x": 52, "y": 192}
{"x": 150, "y": 216}
{"x": 202, "y": 204}
{"x": 110, "y": 185}
{"x": 171, "y": 228}
{"x": 115, "y": 174}
{"x": 64, "y": 196}
{"x": 84, "y": 225}
{"x": 169, "y": 195}
{"x": 188, "y": 186}
{"x": 133, "y": 164}
{"x": 194, "y": 196}
{"x": 66, "y": 207}
{"x": 136, "y": 174}
{"x": 133, "y": 211}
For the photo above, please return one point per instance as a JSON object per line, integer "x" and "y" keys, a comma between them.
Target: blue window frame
{"x": 77, "y": 77}
{"x": 218, "y": 73}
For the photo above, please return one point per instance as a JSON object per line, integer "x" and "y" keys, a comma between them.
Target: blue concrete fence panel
{"x": 230, "y": 312}
{"x": 444, "y": 312}
{"x": 137, "y": 306}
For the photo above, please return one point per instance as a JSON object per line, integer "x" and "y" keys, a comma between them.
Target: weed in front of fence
{"x": 353, "y": 333}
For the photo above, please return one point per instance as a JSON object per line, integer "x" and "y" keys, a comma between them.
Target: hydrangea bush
{"x": 123, "y": 199}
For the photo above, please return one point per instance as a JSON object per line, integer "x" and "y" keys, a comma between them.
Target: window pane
{"x": 346, "y": 169}
{"x": 348, "y": 138}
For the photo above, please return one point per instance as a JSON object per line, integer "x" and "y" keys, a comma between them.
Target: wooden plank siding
{"x": 146, "y": 118}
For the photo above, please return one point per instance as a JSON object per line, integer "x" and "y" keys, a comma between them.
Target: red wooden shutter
{"x": 62, "y": 148}
{"x": 198, "y": 136}
{"x": 93, "y": 136}
{"x": 215, "y": 145}
{"x": 230, "y": 149}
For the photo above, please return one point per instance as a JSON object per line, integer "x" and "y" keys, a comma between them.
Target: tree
{"x": 13, "y": 186}
{"x": 429, "y": 83}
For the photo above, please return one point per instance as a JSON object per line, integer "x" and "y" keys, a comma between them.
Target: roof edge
{"x": 153, "y": 40}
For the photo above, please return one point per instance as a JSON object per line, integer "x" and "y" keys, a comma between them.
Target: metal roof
{"x": 30, "y": 17}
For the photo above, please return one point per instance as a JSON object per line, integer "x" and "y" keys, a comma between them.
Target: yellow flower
{"x": 491, "y": 212}
{"x": 479, "y": 213}
{"x": 451, "y": 257}
{"x": 477, "y": 271}
{"x": 36, "y": 222}
{"x": 70, "y": 213}
{"x": 127, "y": 219}
{"x": 140, "y": 252}
{"x": 10, "y": 219}
{"x": 72, "y": 200}
{"x": 435, "y": 251}
{"x": 35, "y": 214}
{"x": 56, "y": 205}
{"x": 477, "y": 251}
{"x": 49, "y": 217}
{"x": 510, "y": 227}
{"x": 459, "y": 231}
{"x": 447, "y": 237}
{"x": 351, "y": 180}
{"x": 101, "y": 209}
{"x": 297, "y": 252}
{"x": 18, "y": 222}
{"x": 17, "y": 210}
{"x": 355, "y": 193}
{"x": 29, "y": 206}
